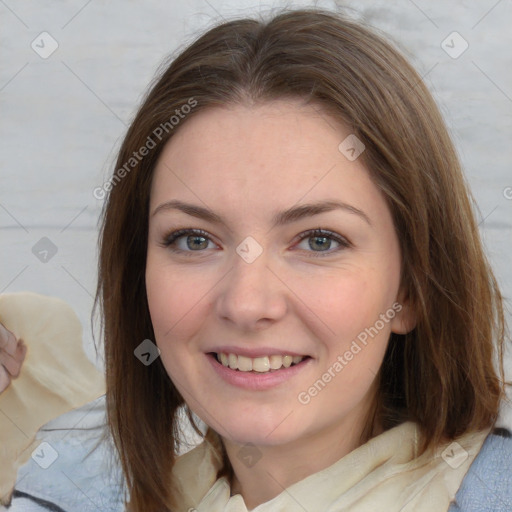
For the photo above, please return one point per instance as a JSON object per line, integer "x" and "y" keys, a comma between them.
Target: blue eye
{"x": 196, "y": 240}
{"x": 322, "y": 239}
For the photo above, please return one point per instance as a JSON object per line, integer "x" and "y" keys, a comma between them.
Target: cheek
{"x": 169, "y": 302}
{"x": 347, "y": 302}
{"x": 174, "y": 302}
{"x": 350, "y": 304}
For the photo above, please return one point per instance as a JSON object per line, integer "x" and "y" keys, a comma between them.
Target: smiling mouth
{"x": 263, "y": 364}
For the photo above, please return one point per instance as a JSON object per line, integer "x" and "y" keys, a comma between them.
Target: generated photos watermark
{"x": 454, "y": 45}
{"x": 147, "y": 352}
{"x": 44, "y": 45}
{"x": 351, "y": 147}
{"x": 44, "y": 455}
{"x": 151, "y": 142}
{"x": 357, "y": 345}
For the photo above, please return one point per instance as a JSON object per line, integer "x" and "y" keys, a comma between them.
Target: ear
{"x": 405, "y": 319}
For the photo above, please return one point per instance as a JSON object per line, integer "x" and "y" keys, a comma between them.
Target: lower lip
{"x": 254, "y": 380}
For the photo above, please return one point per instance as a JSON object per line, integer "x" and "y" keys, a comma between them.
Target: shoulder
{"x": 487, "y": 486}
{"x": 73, "y": 468}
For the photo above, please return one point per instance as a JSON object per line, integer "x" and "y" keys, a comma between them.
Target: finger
{"x": 5, "y": 379}
{"x": 8, "y": 341}
{"x": 21, "y": 351}
{"x": 12, "y": 365}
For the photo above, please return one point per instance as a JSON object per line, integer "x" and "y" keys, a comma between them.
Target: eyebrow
{"x": 293, "y": 214}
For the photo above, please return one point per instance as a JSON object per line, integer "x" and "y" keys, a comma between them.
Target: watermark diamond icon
{"x": 351, "y": 147}
{"x": 44, "y": 45}
{"x": 249, "y": 249}
{"x": 454, "y": 455}
{"x": 249, "y": 455}
{"x": 147, "y": 352}
{"x": 44, "y": 250}
{"x": 45, "y": 455}
{"x": 454, "y": 45}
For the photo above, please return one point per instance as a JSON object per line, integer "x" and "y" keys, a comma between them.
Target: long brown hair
{"x": 441, "y": 374}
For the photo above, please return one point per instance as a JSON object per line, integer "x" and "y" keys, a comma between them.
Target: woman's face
{"x": 254, "y": 282}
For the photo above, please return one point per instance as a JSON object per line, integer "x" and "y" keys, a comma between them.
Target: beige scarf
{"x": 385, "y": 474}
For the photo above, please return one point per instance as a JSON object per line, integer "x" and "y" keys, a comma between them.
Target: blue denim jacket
{"x": 78, "y": 473}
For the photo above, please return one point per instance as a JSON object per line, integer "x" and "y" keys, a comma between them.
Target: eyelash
{"x": 172, "y": 238}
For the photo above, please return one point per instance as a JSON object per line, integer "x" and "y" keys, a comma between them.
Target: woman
{"x": 289, "y": 223}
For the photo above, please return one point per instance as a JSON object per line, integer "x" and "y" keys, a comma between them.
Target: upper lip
{"x": 254, "y": 352}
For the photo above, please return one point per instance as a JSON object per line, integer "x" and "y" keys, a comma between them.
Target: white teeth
{"x": 258, "y": 364}
{"x": 233, "y": 361}
{"x": 261, "y": 364}
{"x": 244, "y": 364}
{"x": 276, "y": 362}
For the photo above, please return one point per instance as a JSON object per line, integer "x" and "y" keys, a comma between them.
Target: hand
{"x": 12, "y": 354}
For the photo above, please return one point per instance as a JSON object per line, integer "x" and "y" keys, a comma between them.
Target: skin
{"x": 12, "y": 355}
{"x": 246, "y": 163}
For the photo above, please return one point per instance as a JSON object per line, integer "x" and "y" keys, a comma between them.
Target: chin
{"x": 254, "y": 429}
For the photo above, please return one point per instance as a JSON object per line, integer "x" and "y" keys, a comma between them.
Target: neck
{"x": 281, "y": 466}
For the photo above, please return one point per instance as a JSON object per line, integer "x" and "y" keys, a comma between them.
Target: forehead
{"x": 261, "y": 159}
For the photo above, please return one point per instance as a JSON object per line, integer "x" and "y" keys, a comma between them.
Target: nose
{"x": 251, "y": 296}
